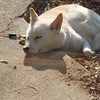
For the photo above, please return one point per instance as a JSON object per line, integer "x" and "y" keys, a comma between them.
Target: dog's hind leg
{"x": 87, "y": 49}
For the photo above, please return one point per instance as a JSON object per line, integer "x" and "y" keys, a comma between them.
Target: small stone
{"x": 69, "y": 84}
{"x": 18, "y": 92}
{"x": 15, "y": 67}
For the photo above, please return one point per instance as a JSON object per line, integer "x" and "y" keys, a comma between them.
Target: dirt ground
{"x": 49, "y": 76}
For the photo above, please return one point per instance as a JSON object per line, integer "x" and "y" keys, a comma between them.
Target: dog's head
{"x": 43, "y": 34}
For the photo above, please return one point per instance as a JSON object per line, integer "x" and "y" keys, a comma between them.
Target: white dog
{"x": 68, "y": 27}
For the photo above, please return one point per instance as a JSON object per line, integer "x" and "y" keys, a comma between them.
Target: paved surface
{"x": 49, "y": 76}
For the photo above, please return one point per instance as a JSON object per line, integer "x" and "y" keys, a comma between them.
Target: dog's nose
{"x": 26, "y": 49}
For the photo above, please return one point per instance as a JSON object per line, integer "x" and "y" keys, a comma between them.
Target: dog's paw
{"x": 89, "y": 53}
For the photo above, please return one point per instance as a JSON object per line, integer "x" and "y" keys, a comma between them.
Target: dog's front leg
{"x": 87, "y": 50}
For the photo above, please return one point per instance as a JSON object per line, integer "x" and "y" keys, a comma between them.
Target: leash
{"x": 12, "y": 36}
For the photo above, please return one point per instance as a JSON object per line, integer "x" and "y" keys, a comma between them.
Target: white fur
{"x": 68, "y": 27}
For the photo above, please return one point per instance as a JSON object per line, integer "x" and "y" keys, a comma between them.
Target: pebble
{"x": 69, "y": 84}
{"x": 15, "y": 67}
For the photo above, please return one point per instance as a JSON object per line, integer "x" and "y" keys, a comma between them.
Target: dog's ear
{"x": 33, "y": 15}
{"x": 56, "y": 24}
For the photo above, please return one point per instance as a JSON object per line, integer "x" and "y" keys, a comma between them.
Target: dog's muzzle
{"x": 26, "y": 50}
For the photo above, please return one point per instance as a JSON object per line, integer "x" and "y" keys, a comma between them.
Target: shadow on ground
{"x": 50, "y": 60}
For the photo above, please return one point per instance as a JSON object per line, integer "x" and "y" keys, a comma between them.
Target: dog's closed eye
{"x": 38, "y": 37}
